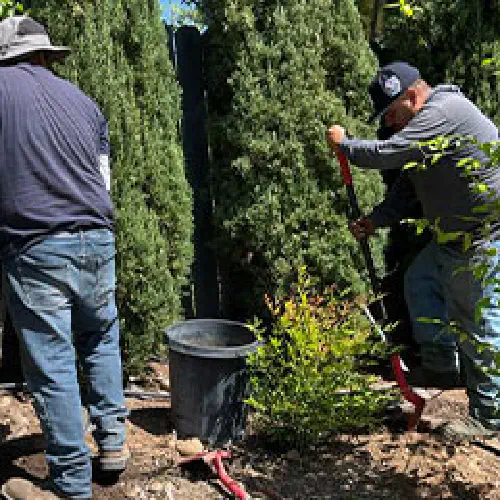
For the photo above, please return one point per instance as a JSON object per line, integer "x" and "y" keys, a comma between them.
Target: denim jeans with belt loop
{"x": 441, "y": 285}
{"x": 61, "y": 296}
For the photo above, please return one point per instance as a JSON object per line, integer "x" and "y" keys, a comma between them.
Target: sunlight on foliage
{"x": 404, "y": 7}
{"x": 307, "y": 375}
{"x": 10, "y": 8}
{"x": 492, "y": 63}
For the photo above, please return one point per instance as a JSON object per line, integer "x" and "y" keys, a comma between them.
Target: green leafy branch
{"x": 405, "y": 8}
{"x": 493, "y": 63}
{"x": 10, "y": 8}
{"x": 487, "y": 221}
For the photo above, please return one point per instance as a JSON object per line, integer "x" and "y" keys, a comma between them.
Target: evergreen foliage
{"x": 448, "y": 41}
{"x": 120, "y": 58}
{"x": 365, "y": 8}
{"x": 278, "y": 73}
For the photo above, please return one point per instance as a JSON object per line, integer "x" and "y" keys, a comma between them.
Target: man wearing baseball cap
{"x": 436, "y": 284}
{"x": 58, "y": 249}
{"x": 438, "y": 349}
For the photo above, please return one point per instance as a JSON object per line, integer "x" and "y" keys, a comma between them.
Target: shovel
{"x": 397, "y": 367}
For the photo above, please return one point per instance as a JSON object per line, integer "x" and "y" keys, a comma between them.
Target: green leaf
{"x": 429, "y": 321}
{"x": 467, "y": 241}
{"x": 447, "y": 237}
{"x": 412, "y": 164}
{"x": 488, "y": 61}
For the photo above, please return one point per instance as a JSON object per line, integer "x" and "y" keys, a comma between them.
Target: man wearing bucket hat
{"x": 57, "y": 243}
{"x": 436, "y": 286}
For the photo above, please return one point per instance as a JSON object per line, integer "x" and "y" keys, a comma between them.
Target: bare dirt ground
{"x": 384, "y": 464}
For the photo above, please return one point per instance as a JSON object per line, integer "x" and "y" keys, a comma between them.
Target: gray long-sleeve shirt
{"x": 442, "y": 188}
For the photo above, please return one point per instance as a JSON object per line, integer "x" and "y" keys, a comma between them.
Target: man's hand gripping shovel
{"x": 408, "y": 393}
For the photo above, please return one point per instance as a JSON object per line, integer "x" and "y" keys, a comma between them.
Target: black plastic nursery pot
{"x": 209, "y": 379}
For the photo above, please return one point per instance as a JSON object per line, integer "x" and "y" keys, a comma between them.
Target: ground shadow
{"x": 30, "y": 449}
{"x": 495, "y": 450}
{"x": 340, "y": 470}
{"x": 22, "y": 446}
{"x": 155, "y": 420}
{"x": 103, "y": 478}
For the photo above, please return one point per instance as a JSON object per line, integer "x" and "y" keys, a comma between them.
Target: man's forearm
{"x": 380, "y": 155}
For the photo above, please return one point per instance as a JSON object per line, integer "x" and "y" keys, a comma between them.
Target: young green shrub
{"x": 306, "y": 377}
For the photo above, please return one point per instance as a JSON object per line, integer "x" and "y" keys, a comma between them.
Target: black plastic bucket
{"x": 208, "y": 378}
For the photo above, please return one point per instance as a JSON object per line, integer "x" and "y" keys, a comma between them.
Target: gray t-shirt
{"x": 442, "y": 188}
{"x": 51, "y": 138}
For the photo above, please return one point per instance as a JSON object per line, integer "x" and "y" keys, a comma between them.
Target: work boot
{"x": 424, "y": 377}
{"x": 114, "y": 461}
{"x": 467, "y": 429}
{"x": 22, "y": 489}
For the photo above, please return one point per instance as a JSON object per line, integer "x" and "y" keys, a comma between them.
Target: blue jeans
{"x": 61, "y": 296}
{"x": 437, "y": 287}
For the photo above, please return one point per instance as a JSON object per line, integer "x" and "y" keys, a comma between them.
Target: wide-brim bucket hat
{"x": 22, "y": 35}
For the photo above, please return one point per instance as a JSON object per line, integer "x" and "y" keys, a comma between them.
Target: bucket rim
{"x": 241, "y": 351}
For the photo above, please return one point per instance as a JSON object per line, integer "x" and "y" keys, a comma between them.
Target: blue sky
{"x": 167, "y": 3}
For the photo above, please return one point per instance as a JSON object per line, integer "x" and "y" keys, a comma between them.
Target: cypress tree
{"x": 279, "y": 72}
{"x": 120, "y": 58}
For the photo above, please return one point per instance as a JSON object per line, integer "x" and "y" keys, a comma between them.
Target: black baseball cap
{"x": 389, "y": 83}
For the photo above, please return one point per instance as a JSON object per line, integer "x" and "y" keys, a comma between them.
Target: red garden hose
{"x": 214, "y": 460}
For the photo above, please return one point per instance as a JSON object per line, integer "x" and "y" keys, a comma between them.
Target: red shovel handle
{"x": 407, "y": 392}
{"x": 345, "y": 171}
